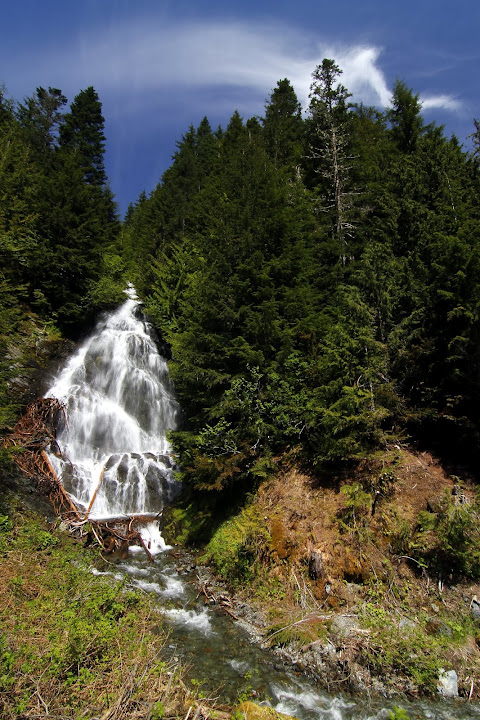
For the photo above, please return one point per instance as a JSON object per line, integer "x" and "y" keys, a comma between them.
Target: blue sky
{"x": 161, "y": 65}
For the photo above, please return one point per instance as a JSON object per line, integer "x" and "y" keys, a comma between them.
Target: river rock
{"x": 447, "y": 683}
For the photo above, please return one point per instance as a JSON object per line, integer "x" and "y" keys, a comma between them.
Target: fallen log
{"x": 32, "y": 435}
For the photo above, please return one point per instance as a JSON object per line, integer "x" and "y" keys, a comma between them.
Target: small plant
{"x": 158, "y": 711}
{"x": 397, "y": 713}
{"x": 239, "y": 547}
{"x": 357, "y": 503}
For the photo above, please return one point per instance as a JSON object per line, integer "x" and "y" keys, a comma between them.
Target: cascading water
{"x": 113, "y": 459}
{"x": 114, "y": 454}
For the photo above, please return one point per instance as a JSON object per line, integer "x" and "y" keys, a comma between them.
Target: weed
{"x": 397, "y": 713}
{"x": 158, "y": 711}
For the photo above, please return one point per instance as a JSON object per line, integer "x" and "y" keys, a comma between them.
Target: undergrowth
{"x": 73, "y": 644}
{"x": 238, "y": 549}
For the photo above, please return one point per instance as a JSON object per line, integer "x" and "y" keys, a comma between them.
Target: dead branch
{"x": 29, "y": 440}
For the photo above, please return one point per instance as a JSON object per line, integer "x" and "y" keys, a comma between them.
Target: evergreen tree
{"x": 82, "y": 132}
{"x": 405, "y": 118}
{"x": 283, "y": 125}
{"x": 40, "y": 116}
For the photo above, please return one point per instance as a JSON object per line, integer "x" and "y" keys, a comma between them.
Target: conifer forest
{"x": 313, "y": 278}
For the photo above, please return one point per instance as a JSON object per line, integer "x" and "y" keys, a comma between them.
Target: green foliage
{"x": 58, "y": 260}
{"x": 415, "y": 655}
{"x": 75, "y": 635}
{"x": 458, "y": 531}
{"x": 358, "y": 504}
{"x": 239, "y": 547}
{"x": 314, "y": 305}
{"x": 445, "y": 542}
{"x": 397, "y": 713}
{"x": 158, "y": 711}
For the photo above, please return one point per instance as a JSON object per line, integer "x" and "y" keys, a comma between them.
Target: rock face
{"x": 447, "y": 683}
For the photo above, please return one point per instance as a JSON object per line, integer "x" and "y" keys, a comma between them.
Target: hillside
{"x": 364, "y": 601}
{"x": 313, "y": 280}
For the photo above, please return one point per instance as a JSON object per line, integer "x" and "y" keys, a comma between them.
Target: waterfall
{"x": 113, "y": 454}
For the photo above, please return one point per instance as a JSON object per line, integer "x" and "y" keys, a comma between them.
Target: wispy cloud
{"x": 138, "y": 62}
{"x": 445, "y": 102}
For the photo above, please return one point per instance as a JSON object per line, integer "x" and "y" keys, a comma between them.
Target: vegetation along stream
{"x": 113, "y": 458}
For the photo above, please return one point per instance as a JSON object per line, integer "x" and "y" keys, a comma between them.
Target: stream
{"x": 119, "y": 407}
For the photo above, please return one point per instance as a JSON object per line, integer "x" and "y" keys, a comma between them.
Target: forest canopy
{"x": 58, "y": 224}
{"x": 314, "y": 275}
{"x": 316, "y": 278}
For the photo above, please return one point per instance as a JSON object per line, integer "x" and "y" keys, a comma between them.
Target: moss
{"x": 240, "y": 546}
{"x": 248, "y": 710}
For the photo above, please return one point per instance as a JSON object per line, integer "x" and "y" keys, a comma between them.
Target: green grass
{"x": 73, "y": 644}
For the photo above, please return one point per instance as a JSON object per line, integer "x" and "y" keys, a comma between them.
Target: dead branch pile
{"x": 32, "y": 435}
{"x": 223, "y": 601}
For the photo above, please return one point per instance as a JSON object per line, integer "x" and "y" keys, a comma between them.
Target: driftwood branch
{"x": 29, "y": 440}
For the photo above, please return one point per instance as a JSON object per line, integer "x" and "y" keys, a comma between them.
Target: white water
{"x": 114, "y": 454}
{"x": 119, "y": 407}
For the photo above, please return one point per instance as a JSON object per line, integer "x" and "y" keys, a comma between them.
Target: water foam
{"x": 114, "y": 457}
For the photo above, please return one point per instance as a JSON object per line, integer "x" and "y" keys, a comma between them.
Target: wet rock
{"x": 447, "y": 683}
{"x": 166, "y": 460}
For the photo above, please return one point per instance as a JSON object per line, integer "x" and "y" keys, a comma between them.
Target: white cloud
{"x": 445, "y": 102}
{"x": 226, "y": 54}
{"x": 141, "y": 62}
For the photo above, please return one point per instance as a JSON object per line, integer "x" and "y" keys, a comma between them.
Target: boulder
{"x": 447, "y": 683}
{"x": 475, "y": 608}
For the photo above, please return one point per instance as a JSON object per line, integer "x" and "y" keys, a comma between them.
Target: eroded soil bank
{"x": 357, "y": 581}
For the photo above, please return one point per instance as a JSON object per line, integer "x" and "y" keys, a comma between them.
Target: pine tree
{"x": 40, "y": 116}
{"x": 283, "y": 126}
{"x": 405, "y": 118}
{"x": 82, "y": 132}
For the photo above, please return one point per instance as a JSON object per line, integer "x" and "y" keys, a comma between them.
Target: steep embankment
{"x": 368, "y": 580}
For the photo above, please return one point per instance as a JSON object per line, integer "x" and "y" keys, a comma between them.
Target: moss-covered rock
{"x": 251, "y": 711}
